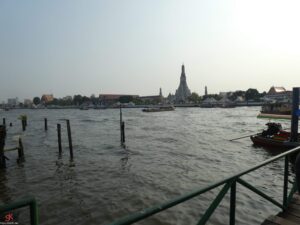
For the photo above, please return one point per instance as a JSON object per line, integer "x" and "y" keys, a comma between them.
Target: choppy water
{"x": 167, "y": 154}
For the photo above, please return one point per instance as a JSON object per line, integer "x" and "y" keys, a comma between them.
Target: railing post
{"x": 34, "y": 218}
{"x": 232, "y": 203}
{"x": 285, "y": 184}
{"x": 294, "y": 121}
{"x": 297, "y": 170}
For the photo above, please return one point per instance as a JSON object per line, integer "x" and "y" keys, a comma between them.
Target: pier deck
{"x": 290, "y": 217}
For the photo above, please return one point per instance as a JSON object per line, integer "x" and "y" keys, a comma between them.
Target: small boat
{"x": 274, "y": 137}
{"x": 159, "y": 109}
{"x": 84, "y": 107}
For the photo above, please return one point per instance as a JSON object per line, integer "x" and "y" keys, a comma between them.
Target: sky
{"x": 137, "y": 46}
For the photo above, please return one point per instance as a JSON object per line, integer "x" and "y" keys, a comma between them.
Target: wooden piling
{"x": 21, "y": 156}
{"x": 23, "y": 124}
{"x": 10, "y": 124}
{"x": 59, "y": 138}
{"x": 46, "y": 124}
{"x": 123, "y": 132}
{"x": 70, "y": 139}
{"x": 2, "y": 143}
{"x": 121, "y": 120}
{"x": 4, "y": 123}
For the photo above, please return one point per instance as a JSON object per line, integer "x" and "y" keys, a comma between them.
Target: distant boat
{"x": 83, "y": 107}
{"x": 159, "y": 109}
{"x": 100, "y": 107}
{"x": 278, "y": 110}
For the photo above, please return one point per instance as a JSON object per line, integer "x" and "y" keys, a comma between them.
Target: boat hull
{"x": 273, "y": 143}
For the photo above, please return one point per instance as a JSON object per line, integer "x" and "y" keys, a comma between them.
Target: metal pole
{"x": 70, "y": 139}
{"x": 297, "y": 171}
{"x": 285, "y": 182}
{"x": 34, "y": 219}
{"x": 59, "y": 138}
{"x": 294, "y": 123}
{"x": 232, "y": 203}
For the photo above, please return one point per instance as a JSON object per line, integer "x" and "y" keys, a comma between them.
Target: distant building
{"x": 12, "y": 102}
{"x": 27, "y": 102}
{"x": 109, "y": 99}
{"x": 209, "y": 102}
{"x": 47, "y": 98}
{"x": 278, "y": 94}
{"x": 183, "y": 92}
{"x": 153, "y": 98}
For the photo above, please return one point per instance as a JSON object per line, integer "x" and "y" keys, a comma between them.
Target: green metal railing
{"x": 29, "y": 201}
{"x": 228, "y": 183}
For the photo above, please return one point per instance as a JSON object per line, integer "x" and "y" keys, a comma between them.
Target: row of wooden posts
{"x": 59, "y": 137}
{"x": 24, "y": 125}
{"x": 3, "y": 158}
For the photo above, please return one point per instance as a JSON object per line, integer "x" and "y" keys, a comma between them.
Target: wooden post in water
{"x": 70, "y": 139}
{"x": 21, "y": 156}
{"x": 10, "y": 124}
{"x": 4, "y": 123}
{"x": 46, "y": 124}
{"x": 23, "y": 124}
{"x": 2, "y": 143}
{"x": 121, "y": 120}
{"x": 59, "y": 138}
{"x": 122, "y": 132}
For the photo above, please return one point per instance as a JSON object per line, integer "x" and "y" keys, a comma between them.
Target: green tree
{"x": 195, "y": 98}
{"x": 125, "y": 99}
{"x": 236, "y": 94}
{"x": 77, "y": 100}
{"x": 252, "y": 94}
{"x": 36, "y": 100}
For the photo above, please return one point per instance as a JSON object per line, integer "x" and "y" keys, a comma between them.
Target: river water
{"x": 167, "y": 154}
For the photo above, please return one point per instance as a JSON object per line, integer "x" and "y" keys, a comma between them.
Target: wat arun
{"x": 183, "y": 92}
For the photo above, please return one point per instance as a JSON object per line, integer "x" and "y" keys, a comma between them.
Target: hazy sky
{"x": 137, "y": 46}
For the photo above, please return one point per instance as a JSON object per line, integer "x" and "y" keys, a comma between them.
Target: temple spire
{"x": 183, "y": 92}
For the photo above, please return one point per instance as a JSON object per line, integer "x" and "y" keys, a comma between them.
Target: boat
{"x": 159, "y": 109}
{"x": 277, "y": 110}
{"x": 274, "y": 137}
{"x": 83, "y": 107}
